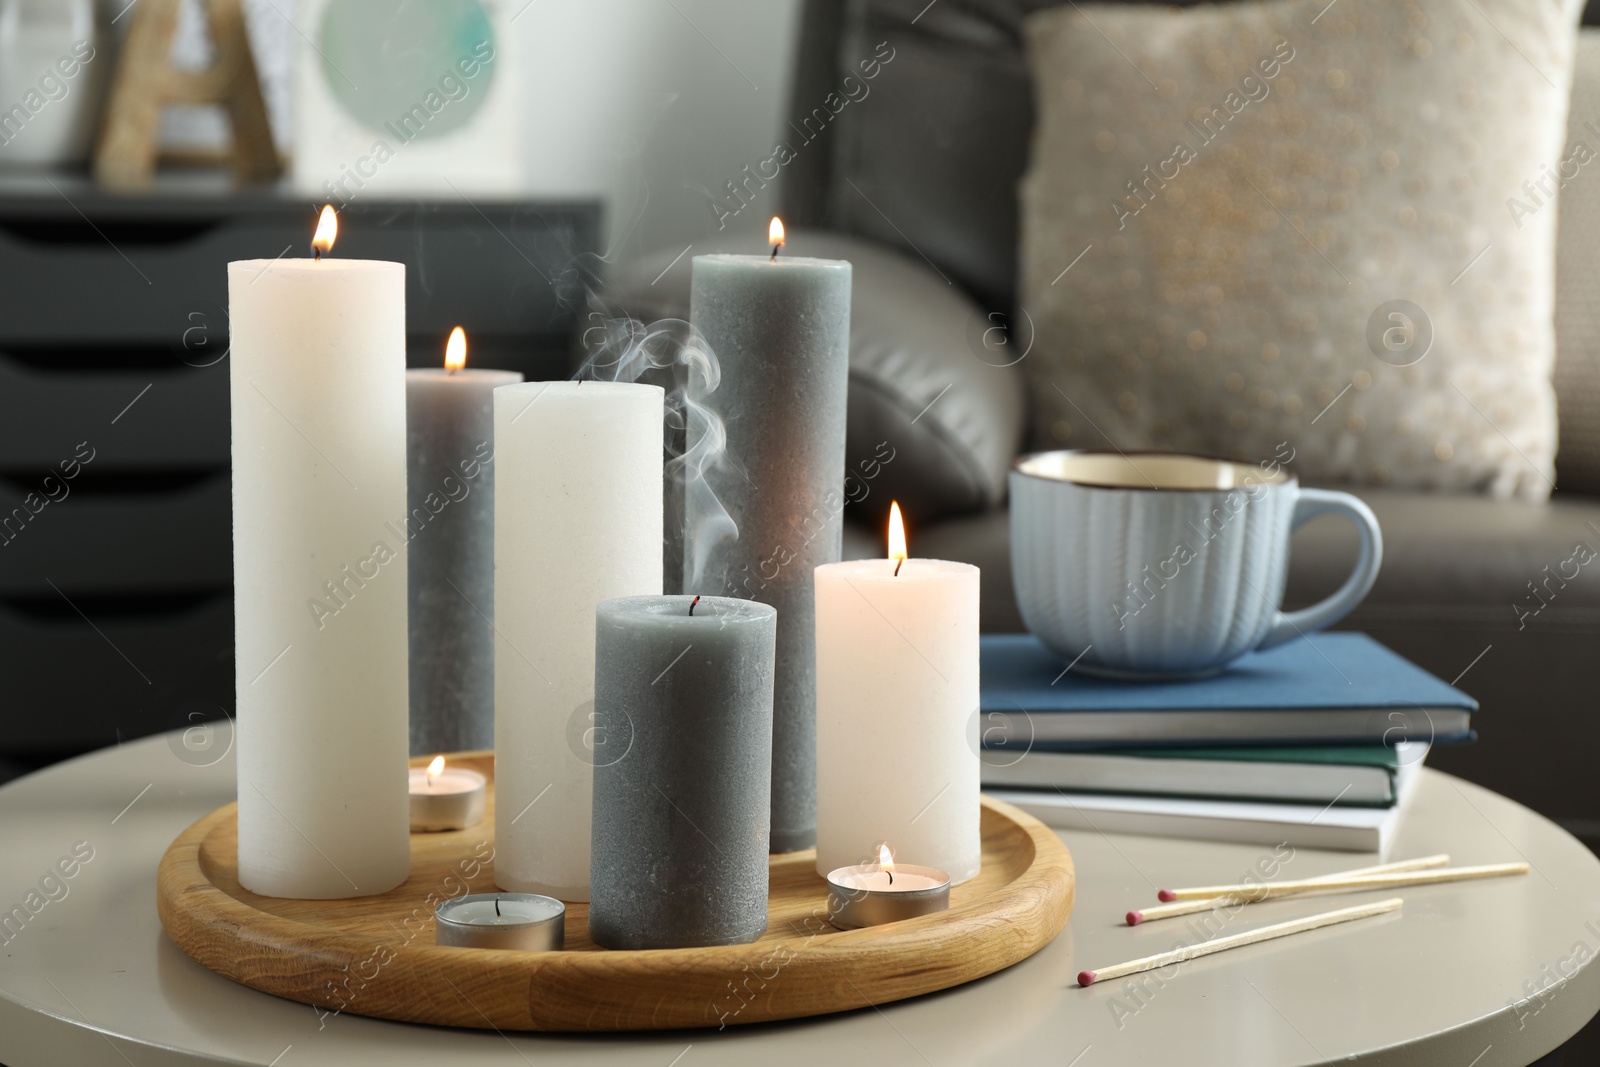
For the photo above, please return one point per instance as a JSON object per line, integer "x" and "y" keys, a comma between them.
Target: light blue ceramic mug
{"x": 1161, "y": 565}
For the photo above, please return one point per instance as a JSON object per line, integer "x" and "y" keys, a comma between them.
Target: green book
{"x": 1357, "y": 775}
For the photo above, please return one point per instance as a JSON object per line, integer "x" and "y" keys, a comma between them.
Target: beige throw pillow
{"x": 1329, "y": 225}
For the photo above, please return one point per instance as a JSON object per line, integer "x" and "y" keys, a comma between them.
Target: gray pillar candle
{"x": 683, "y": 749}
{"x": 780, "y": 329}
{"x": 449, "y": 526}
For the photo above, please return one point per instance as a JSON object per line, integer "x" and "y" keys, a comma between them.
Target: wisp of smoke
{"x": 672, "y": 353}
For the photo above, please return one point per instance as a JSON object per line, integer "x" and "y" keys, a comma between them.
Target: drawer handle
{"x": 114, "y": 609}
{"x": 70, "y": 231}
{"x": 116, "y": 358}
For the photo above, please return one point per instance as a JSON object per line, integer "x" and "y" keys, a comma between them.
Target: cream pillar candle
{"x": 578, "y": 520}
{"x": 319, "y": 466}
{"x": 897, "y": 702}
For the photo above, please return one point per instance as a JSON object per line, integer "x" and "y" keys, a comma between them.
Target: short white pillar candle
{"x": 897, "y": 704}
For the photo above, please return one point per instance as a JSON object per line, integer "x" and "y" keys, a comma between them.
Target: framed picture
{"x": 397, "y": 98}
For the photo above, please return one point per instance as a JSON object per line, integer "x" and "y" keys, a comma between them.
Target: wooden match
{"x": 1190, "y": 907}
{"x": 1349, "y": 883}
{"x": 1248, "y": 937}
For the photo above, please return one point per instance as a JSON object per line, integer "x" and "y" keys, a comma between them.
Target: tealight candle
{"x": 446, "y": 798}
{"x": 524, "y": 921}
{"x": 869, "y": 894}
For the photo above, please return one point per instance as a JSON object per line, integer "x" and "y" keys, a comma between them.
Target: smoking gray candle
{"x": 683, "y": 750}
{"x": 449, "y": 525}
{"x": 781, "y": 331}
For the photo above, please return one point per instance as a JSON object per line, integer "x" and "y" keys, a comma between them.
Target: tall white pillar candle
{"x": 578, "y": 520}
{"x": 319, "y": 466}
{"x": 897, "y": 702}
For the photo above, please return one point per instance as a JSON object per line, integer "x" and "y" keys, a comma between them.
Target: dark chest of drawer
{"x": 116, "y": 583}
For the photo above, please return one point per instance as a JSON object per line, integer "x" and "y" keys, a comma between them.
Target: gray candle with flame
{"x": 780, "y": 329}
{"x": 449, "y": 525}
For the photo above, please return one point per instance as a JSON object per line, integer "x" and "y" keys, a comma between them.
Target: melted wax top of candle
{"x": 878, "y": 881}
{"x": 514, "y": 911}
{"x": 447, "y": 781}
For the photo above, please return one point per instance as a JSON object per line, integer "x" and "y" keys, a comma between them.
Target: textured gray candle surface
{"x": 683, "y": 749}
{"x": 781, "y": 332}
{"x": 449, "y": 526}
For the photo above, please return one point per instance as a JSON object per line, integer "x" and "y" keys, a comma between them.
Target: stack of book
{"x": 1315, "y": 743}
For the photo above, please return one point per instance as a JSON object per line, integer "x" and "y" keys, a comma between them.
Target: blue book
{"x": 1331, "y": 688}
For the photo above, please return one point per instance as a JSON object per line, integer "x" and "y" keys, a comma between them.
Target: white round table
{"x": 1468, "y": 975}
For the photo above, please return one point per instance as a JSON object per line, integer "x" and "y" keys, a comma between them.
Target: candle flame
{"x": 455, "y": 350}
{"x": 775, "y": 233}
{"x": 886, "y": 860}
{"x": 327, "y": 230}
{"x": 435, "y": 769}
{"x": 897, "y": 533}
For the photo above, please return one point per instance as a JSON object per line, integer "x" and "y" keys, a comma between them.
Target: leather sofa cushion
{"x": 1453, "y": 557}
{"x": 941, "y": 143}
{"x": 923, "y": 388}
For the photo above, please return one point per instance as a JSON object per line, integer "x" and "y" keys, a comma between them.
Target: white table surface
{"x": 92, "y": 979}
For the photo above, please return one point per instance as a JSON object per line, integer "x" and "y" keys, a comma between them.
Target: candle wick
{"x": 775, "y": 248}
{"x": 692, "y": 603}
{"x": 497, "y": 907}
{"x": 891, "y": 876}
{"x": 317, "y": 252}
{"x": 898, "y": 564}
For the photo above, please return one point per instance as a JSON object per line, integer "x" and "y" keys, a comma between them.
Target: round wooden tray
{"x": 376, "y": 956}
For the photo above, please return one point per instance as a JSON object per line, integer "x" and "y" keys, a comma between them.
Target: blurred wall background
{"x": 654, "y": 105}
{"x": 649, "y": 104}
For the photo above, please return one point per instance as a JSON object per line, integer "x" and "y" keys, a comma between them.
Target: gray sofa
{"x": 918, "y": 188}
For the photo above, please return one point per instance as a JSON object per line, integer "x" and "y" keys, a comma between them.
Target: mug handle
{"x": 1311, "y": 504}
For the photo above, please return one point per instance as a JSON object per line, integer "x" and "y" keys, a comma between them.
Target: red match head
{"x": 1134, "y": 917}
{"x": 1085, "y": 978}
{"x": 1166, "y": 896}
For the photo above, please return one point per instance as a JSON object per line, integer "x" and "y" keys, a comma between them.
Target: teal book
{"x": 1345, "y": 775}
{"x": 1327, "y": 689}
